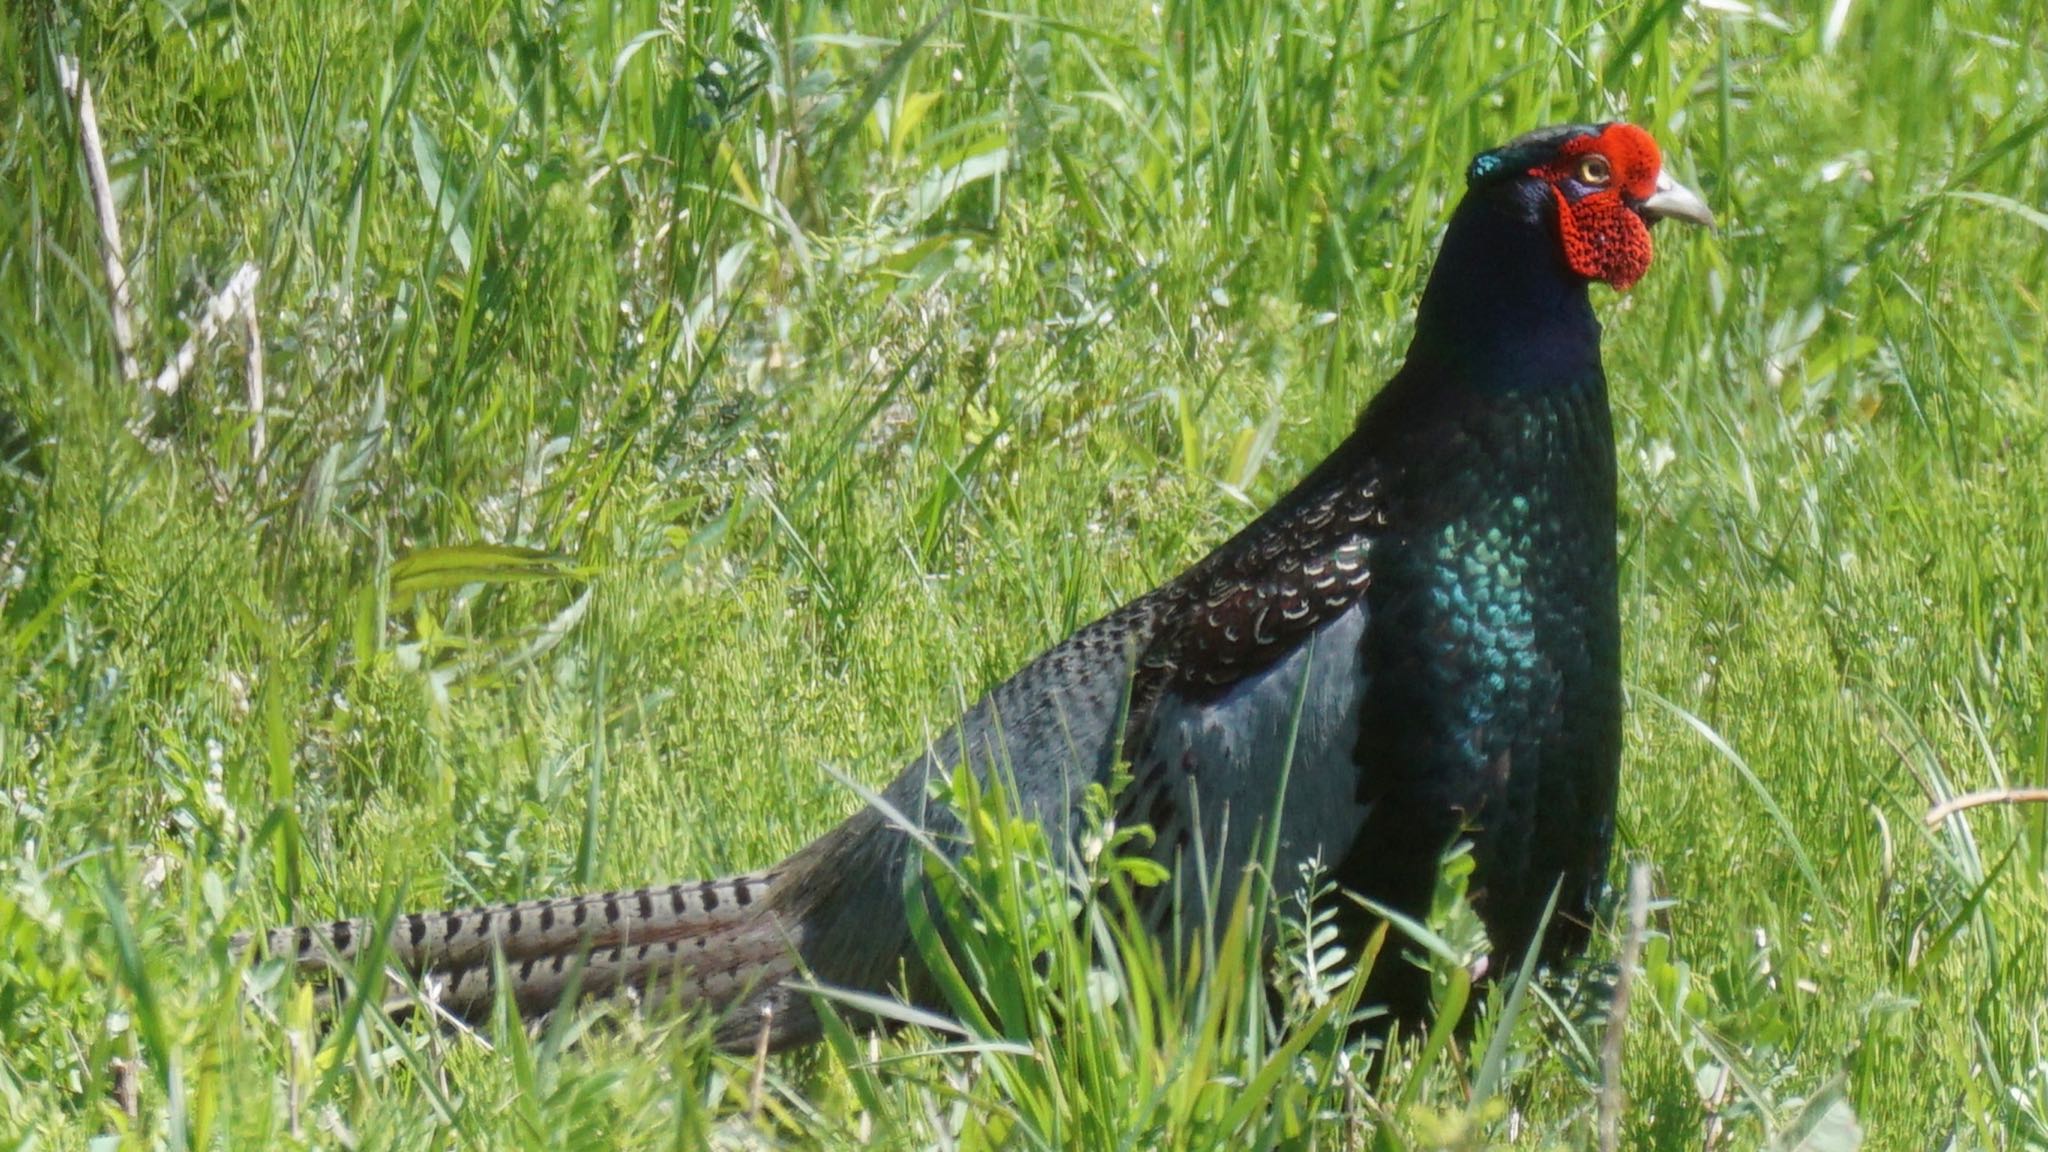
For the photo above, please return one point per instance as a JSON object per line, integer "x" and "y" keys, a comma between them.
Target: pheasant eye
{"x": 1594, "y": 169}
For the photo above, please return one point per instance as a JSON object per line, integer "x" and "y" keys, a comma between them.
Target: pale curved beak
{"x": 1674, "y": 201}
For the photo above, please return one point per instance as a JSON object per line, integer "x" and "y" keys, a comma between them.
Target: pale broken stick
{"x": 112, "y": 256}
{"x": 236, "y": 298}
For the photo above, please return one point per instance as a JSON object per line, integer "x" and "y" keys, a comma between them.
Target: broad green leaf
{"x": 452, "y": 566}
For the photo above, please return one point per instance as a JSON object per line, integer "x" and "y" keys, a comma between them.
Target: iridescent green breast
{"x": 1493, "y": 659}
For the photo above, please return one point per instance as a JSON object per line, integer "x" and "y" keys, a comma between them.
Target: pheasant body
{"x": 1421, "y": 640}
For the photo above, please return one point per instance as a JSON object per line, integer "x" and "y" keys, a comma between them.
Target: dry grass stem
{"x": 758, "y": 1091}
{"x": 1611, "y": 1100}
{"x": 1988, "y": 796}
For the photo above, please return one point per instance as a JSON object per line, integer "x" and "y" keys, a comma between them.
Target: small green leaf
{"x": 1826, "y": 1124}
{"x": 426, "y": 157}
{"x": 941, "y": 185}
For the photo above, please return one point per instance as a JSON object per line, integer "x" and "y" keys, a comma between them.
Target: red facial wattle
{"x": 1604, "y": 238}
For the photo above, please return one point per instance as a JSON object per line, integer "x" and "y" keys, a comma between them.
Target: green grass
{"x": 850, "y": 354}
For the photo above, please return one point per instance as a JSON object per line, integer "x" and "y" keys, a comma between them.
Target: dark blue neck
{"x": 1502, "y": 310}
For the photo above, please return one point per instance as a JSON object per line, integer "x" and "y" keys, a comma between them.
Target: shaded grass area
{"x": 849, "y": 355}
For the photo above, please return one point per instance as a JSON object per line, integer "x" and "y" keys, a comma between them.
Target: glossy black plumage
{"x": 1437, "y": 598}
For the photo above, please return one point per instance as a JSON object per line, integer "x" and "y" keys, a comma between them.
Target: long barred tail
{"x": 717, "y": 944}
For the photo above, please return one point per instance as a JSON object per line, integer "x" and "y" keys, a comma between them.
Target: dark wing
{"x": 1259, "y": 651}
{"x": 1262, "y": 594}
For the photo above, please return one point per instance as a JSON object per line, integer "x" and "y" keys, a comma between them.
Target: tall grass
{"x": 826, "y": 362}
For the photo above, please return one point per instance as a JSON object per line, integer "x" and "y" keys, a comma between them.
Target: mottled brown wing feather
{"x": 1262, "y": 594}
